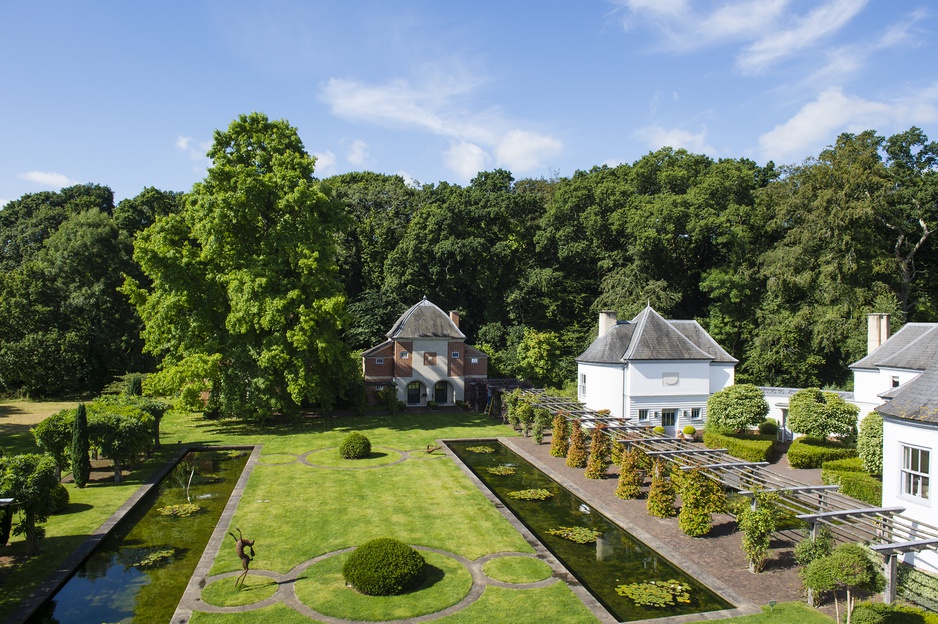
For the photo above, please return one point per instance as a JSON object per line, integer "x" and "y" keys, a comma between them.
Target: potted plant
{"x": 688, "y": 432}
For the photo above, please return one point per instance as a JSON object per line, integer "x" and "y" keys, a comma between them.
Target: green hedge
{"x": 748, "y": 447}
{"x": 860, "y": 485}
{"x": 851, "y": 464}
{"x": 918, "y": 587}
{"x": 879, "y": 613}
{"x": 808, "y": 452}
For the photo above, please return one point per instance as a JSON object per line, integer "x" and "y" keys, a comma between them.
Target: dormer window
{"x": 895, "y": 381}
{"x": 379, "y": 361}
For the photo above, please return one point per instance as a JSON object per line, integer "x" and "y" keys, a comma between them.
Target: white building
{"x": 899, "y": 378}
{"x": 653, "y": 371}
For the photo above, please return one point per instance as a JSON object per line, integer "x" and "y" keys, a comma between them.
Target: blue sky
{"x": 127, "y": 94}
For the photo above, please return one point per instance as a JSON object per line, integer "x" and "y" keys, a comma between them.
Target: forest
{"x": 264, "y": 267}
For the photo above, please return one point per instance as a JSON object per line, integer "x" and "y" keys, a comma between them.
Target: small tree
{"x": 599, "y": 459}
{"x": 662, "y": 494}
{"x": 870, "y": 443}
{"x": 54, "y": 436}
{"x": 31, "y": 481}
{"x": 576, "y": 454}
{"x": 850, "y": 568}
{"x": 541, "y": 422}
{"x": 630, "y": 475}
{"x": 736, "y": 408}
{"x": 820, "y": 414}
{"x": 81, "y": 464}
{"x": 701, "y": 497}
{"x": 758, "y": 522}
{"x": 559, "y": 443}
{"x": 121, "y": 433}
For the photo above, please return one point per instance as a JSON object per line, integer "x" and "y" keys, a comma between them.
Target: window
{"x": 915, "y": 471}
{"x": 694, "y": 413}
{"x": 670, "y": 379}
{"x": 895, "y": 382}
{"x": 583, "y": 384}
{"x": 404, "y": 355}
{"x": 454, "y": 355}
{"x": 643, "y": 414}
{"x": 668, "y": 417}
{"x": 473, "y": 360}
{"x": 379, "y": 361}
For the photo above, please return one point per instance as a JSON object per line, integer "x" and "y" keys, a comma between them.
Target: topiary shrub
{"x": 383, "y": 567}
{"x": 658, "y": 430}
{"x": 768, "y": 427}
{"x": 701, "y": 497}
{"x": 60, "y": 498}
{"x": 355, "y": 446}
{"x": 661, "y": 494}
{"x": 870, "y": 443}
{"x": 749, "y": 447}
{"x": 600, "y": 449}
{"x": 689, "y": 430}
{"x": 576, "y": 454}
{"x": 631, "y": 476}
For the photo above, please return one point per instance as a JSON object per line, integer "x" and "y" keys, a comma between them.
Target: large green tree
{"x": 30, "y": 480}
{"x": 245, "y": 296}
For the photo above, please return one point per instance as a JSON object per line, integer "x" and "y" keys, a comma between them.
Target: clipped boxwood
{"x": 853, "y": 480}
{"x": 383, "y": 567}
{"x": 808, "y": 452}
{"x": 768, "y": 427}
{"x": 879, "y": 613}
{"x": 355, "y": 446}
{"x": 748, "y": 447}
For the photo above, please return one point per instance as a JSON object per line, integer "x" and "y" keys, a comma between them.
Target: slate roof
{"x": 424, "y": 320}
{"x": 914, "y": 347}
{"x": 916, "y": 400}
{"x": 648, "y": 336}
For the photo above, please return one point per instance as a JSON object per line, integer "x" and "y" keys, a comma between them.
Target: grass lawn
{"x": 784, "y": 613}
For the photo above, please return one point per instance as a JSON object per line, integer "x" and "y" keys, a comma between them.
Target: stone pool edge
{"x": 62, "y": 573}
{"x": 192, "y": 595}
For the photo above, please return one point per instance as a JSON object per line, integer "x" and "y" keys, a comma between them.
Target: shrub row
{"x": 879, "y": 613}
{"x": 808, "y": 452}
{"x": 918, "y": 587}
{"x": 748, "y": 447}
{"x": 860, "y": 485}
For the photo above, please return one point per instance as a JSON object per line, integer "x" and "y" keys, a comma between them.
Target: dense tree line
{"x": 263, "y": 268}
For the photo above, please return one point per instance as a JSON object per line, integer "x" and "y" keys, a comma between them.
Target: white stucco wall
{"x": 869, "y": 384}
{"x": 721, "y": 376}
{"x": 649, "y": 378}
{"x": 604, "y": 387}
{"x": 897, "y": 433}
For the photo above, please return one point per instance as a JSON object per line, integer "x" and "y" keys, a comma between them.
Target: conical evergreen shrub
{"x": 701, "y": 497}
{"x": 559, "y": 442}
{"x": 599, "y": 453}
{"x": 630, "y": 479}
{"x": 576, "y": 455}
{"x": 78, "y": 453}
{"x": 662, "y": 494}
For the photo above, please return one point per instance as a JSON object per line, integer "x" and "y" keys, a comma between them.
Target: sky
{"x": 128, "y": 94}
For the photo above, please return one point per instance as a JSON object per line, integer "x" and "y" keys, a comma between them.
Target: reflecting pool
{"x": 615, "y": 558}
{"x": 139, "y": 572}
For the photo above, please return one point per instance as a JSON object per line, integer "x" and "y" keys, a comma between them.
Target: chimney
{"x": 877, "y": 331}
{"x": 454, "y": 316}
{"x": 607, "y": 320}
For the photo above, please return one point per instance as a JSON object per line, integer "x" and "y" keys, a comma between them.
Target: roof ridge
{"x": 637, "y": 333}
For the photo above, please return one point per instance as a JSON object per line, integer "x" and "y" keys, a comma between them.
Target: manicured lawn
{"x": 785, "y": 613}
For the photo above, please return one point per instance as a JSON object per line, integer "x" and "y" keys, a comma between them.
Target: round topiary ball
{"x": 60, "y": 497}
{"x": 355, "y": 446}
{"x": 383, "y": 567}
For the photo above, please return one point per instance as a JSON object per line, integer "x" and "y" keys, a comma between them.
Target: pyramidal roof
{"x": 649, "y": 336}
{"x": 424, "y": 320}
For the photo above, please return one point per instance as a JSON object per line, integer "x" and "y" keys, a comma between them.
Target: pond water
{"x": 139, "y": 572}
{"x": 615, "y": 558}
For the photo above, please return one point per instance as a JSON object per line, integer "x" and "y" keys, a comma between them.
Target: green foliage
{"x": 656, "y": 593}
{"x": 849, "y": 567}
{"x": 768, "y": 427}
{"x": 54, "y": 436}
{"x": 661, "y": 494}
{"x": 600, "y": 451}
{"x": 60, "y": 498}
{"x": 542, "y": 420}
{"x": 520, "y": 411}
{"x": 748, "y": 447}
{"x": 578, "y": 534}
{"x": 849, "y": 475}
{"x": 918, "y": 586}
{"x": 879, "y": 613}
{"x": 701, "y": 497}
{"x": 120, "y": 432}
{"x": 31, "y": 480}
{"x": 819, "y": 414}
{"x": 736, "y": 408}
{"x": 531, "y": 495}
{"x": 809, "y": 549}
{"x": 244, "y": 288}
{"x": 809, "y": 452}
{"x": 576, "y": 454}
{"x": 355, "y": 446}
{"x": 757, "y": 526}
{"x": 480, "y": 449}
{"x": 78, "y": 451}
{"x": 387, "y": 397}
{"x": 181, "y": 510}
{"x": 689, "y": 430}
{"x": 870, "y": 443}
{"x": 659, "y": 430}
{"x": 383, "y": 567}
{"x": 503, "y": 471}
{"x": 631, "y": 475}
{"x": 559, "y": 442}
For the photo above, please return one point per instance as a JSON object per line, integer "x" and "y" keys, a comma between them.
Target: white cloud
{"x": 806, "y": 32}
{"x": 4, "y": 202}
{"x": 440, "y": 105}
{"x": 195, "y": 149}
{"x": 656, "y": 137}
{"x": 409, "y": 180}
{"x": 358, "y": 153}
{"x": 325, "y": 163}
{"x": 466, "y": 159}
{"x": 47, "y": 178}
{"x": 525, "y": 151}
{"x": 834, "y": 112}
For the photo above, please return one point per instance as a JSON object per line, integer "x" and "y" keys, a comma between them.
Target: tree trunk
{"x": 117, "y": 471}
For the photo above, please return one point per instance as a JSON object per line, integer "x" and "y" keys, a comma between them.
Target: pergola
{"x": 888, "y": 532}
